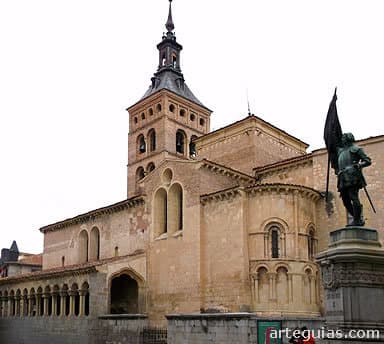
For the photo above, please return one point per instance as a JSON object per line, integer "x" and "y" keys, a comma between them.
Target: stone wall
{"x": 249, "y": 143}
{"x": 47, "y": 330}
{"x": 227, "y": 328}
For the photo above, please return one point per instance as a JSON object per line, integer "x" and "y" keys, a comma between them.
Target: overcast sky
{"x": 69, "y": 69}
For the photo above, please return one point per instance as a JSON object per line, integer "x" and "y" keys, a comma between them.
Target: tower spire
{"x": 169, "y": 25}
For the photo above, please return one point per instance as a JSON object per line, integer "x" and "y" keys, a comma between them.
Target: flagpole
{"x": 327, "y": 187}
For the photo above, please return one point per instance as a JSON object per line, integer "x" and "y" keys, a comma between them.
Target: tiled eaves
{"x": 71, "y": 270}
{"x": 120, "y": 206}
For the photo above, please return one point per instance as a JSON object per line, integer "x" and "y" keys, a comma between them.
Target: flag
{"x": 332, "y": 132}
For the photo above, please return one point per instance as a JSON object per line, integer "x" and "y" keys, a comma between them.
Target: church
{"x": 214, "y": 221}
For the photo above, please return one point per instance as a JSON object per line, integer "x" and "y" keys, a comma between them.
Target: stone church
{"x": 214, "y": 221}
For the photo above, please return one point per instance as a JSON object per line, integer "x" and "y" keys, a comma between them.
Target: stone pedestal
{"x": 353, "y": 278}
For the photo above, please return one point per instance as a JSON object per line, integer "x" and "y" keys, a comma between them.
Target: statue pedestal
{"x": 353, "y": 278}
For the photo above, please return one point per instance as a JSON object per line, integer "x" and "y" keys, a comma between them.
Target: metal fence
{"x": 154, "y": 335}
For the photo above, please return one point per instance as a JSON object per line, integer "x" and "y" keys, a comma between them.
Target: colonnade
{"x": 58, "y": 301}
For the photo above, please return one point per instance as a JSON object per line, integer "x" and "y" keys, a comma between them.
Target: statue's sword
{"x": 370, "y": 200}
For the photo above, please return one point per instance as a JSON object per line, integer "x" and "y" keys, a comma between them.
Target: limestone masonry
{"x": 222, "y": 221}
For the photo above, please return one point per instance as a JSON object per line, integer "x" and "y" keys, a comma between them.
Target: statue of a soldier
{"x": 351, "y": 159}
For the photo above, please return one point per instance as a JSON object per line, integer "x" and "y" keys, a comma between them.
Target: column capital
{"x": 72, "y": 292}
{"x": 83, "y": 292}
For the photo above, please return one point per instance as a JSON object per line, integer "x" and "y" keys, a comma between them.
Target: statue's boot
{"x": 358, "y": 219}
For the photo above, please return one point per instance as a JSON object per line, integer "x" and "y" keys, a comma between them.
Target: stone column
{"x": 290, "y": 287}
{"x": 82, "y": 294}
{"x": 30, "y": 305}
{"x": 312, "y": 280}
{"x": 296, "y": 222}
{"x": 63, "y": 295}
{"x": 54, "y": 304}
{"x": 38, "y": 305}
{"x": 11, "y": 301}
{"x": 5, "y": 304}
{"x": 72, "y": 295}
{"x": 22, "y": 305}
{"x": 17, "y": 305}
{"x": 266, "y": 245}
{"x": 46, "y": 297}
{"x": 256, "y": 287}
{"x": 272, "y": 285}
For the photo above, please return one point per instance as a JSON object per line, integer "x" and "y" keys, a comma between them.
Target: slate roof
{"x": 173, "y": 81}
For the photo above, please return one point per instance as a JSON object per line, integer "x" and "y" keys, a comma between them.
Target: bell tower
{"x": 166, "y": 120}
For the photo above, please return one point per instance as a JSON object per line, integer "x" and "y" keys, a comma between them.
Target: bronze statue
{"x": 351, "y": 159}
{"x": 348, "y": 160}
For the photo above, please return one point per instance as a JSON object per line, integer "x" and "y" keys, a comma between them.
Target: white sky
{"x": 68, "y": 70}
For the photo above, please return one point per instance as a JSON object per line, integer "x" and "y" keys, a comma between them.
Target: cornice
{"x": 222, "y": 195}
{"x": 117, "y": 207}
{"x": 283, "y": 165}
{"x": 226, "y": 171}
{"x": 165, "y": 92}
{"x": 304, "y": 191}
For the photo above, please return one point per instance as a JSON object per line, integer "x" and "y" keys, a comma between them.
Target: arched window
{"x": 192, "y": 146}
{"x": 160, "y": 212}
{"x": 94, "y": 246}
{"x": 141, "y": 144}
{"x": 84, "y": 299}
{"x": 311, "y": 244}
{"x": 39, "y": 302}
{"x": 47, "y": 301}
{"x": 262, "y": 294}
{"x": 282, "y": 285}
{"x": 56, "y": 300}
{"x": 180, "y": 141}
{"x": 32, "y": 302}
{"x": 17, "y": 302}
{"x": 75, "y": 293}
{"x": 83, "y": 247}
{"x": 274, "y": 242}
{"x": 25, "y": 302}
{"x": 158, "y": 107}
{"x": 140, "y": 173}
{"x": 274, "y": 239}
{"x": 175, "y": 208}
{"x": 150, "y": 167}
{"x": 172, "y": 108}
{"x": 152, "y": 140}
